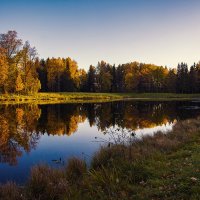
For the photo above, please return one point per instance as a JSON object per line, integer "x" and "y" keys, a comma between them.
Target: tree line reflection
{"x": 18, "y": 131}
{"x": 21, "y": 126}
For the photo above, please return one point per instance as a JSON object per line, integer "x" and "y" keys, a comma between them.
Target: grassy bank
{"x": 67, "y": 97}
{"x": 163, "y": 166}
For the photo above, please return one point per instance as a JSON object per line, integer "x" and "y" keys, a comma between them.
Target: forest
{"x": 23, "y": 72}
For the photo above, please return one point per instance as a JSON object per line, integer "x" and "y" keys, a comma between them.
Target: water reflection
{"x": 150, "y": 131}
{"x": 18, "y": 130}
{"x": 24, "y": 128}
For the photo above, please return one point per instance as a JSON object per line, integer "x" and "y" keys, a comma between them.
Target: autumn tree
{"x": 3, "y": 69}
{"x": 28, "y": 69}
{"x": 104, "y": 77}
{"x": 72, "y": 73}
{"x": 17, "y": 59}
{"x": 55, "y": 68}
{"x": 10, "y": 44}
{"x": 131, "y": 76}
{"x": 158, "y": 78}
{"x": 19, "y": 86}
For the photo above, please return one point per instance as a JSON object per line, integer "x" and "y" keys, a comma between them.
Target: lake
{"x": 31, "y": 134}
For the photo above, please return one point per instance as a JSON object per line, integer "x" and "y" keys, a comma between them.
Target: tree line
{"x": 22, "y": 72}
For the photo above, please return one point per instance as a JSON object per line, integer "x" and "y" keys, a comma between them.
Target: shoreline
{"x": 77, "y": 97}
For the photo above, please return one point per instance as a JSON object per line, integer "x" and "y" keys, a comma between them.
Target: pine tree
{"x": 114, "y": 80}
{"x": 91, "y": 81}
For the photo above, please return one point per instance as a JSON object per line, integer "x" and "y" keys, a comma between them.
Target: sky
{"x": 162, "y": 32}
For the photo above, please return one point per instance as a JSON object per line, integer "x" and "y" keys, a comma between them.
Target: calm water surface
{"x": 33, "y": 134}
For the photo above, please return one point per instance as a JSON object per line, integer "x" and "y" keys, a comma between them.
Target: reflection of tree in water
{"x": 133, "y": 115}
{"x": 22, "y": 125}
{"x": 65, "y": 118}
{"x": 17, "y": 125}
{"x": 61, "y": 119}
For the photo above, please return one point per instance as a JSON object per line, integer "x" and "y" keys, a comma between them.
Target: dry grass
{"x": 10, "y": 191}
{"x": 46, "y": 183}
{"x": 75, "y": 170}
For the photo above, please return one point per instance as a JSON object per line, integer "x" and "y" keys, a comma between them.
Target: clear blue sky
{"x": 162, "y": 32}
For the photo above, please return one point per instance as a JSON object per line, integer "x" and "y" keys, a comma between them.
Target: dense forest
{"x": 22, "y": 72}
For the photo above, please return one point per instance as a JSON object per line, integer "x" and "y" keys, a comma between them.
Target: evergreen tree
{"x": 91, "y": 79}
{"x": 114, "y": 80}
{"x": 182, "y": 83}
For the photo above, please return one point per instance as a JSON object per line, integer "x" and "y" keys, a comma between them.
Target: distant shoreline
{"x": 78, "y": 97}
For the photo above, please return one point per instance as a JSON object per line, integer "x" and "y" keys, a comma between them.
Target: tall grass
{"x": 75, "y": 170}
{"x": 10, "y": 191}
{"x": 46, "y": 183}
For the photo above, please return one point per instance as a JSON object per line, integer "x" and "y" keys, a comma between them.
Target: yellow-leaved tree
{"x": 19, "y": 86}
{"x": 3, "y": 69}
